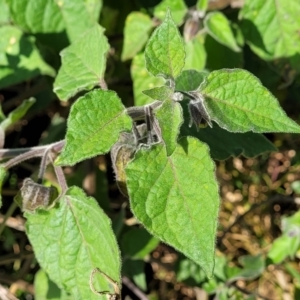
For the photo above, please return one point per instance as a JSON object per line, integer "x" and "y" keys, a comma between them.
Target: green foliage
{"x": 69, "y": 237}
{"x": 94, "y": 132}
{"x": 83, "y": 64}
{"x": 195, "y": 103}
{"x": 167, "y": 190}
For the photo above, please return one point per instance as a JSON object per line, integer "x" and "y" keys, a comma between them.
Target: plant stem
{"x": 60, "y": 176}
{"x": 8, "y": 214}
{"x": 23, "y": 154}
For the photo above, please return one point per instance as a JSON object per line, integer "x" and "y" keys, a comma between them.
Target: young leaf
{"x": 189, "y": 80}
{"x": 238, "y": 102}
{"x": 202, "y": 6}
{"x": 75, "y": 238}
{"x": 176, "y": 197}
{"x": 161, "y": 93}
{"x": 17, "y": 114}
{"x": 177, "y": 7}
{"x": 136, "y": 33}
{"x": 83, "y": 64}
{"x": 4, "y": 16}
{"x": 218, "y": 27}
{"x": 170, "y": 118}
{"x": 142, "y": 80}
{"x": 94, "y": 124}
{"x": 164, "y": 51}
{"x": 279, "y": 36}
{"x": 3, "y": 174}
{"x": 49, "y": 16}
{"x": 19, "y": 58}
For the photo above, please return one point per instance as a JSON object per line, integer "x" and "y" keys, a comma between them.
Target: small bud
{"x": 33, "y": 196}
{"x": 198, "y": 110}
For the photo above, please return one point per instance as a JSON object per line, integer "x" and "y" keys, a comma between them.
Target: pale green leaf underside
{"x": 50, "y": 16}
{"x": 271, "y": 27}
{"x": 170, "y": 118}
{"x": 176, "y": 197}
{"x": 75, "y": 238}
{"x": 142, "y": 80}
{"x": 164, "y": 51}
{"x": 161, "y": 93}
{"x": 17, "y": 113}
{"x": 19, "y": 58}
{"x": 218, "y": 27}
{"x": 83, "y": 64}
{"x": 136, "y": 34}
{"x": 177, "y": 7}
{"x": 94, "y": 125}
{"x": 238, "y": 102}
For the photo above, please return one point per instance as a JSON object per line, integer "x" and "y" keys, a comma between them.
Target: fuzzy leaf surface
{"x": 177, "y": 7}
{"x": 170, "y": 118}
{"x": 142, "y": 80}
{"x": 75, "y": 237}
{"x": 161, "y": 93}
{"x": 48, "y": 16}
{"x": 164, "y": 51}
{"x": 271, "y": 27}
{"x": 189, "y": 80}
{"x": 176, "y": 197}
{"x": 94, "y": 124}
{"x": 238, "y": 102}
{"x": 218, "y": 27}
{"x": 136, "y": 33}
{"x": 83, "y": 64}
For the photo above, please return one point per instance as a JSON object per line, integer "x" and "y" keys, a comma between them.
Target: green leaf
{"x": 218, "y": 27}
{"x": 238, "y": 102}
{"x": 170, "y": 118}
{"x": 164, "y": 51}
{"x": 253, "y": 266}
{"x": 94, "y": 124}
{"x": 50, "y": 16}
{"x": 289, "y": 243}
{"x": 75, "y": 237}
{"x": 224, "y": 144}
{"x": 4, "y": 16}
{"x": 46, "y": 289}
{"x": 202, "y": 6}
{"x": 177, "y": 7}
{"x": 161, "y": 93}
{"x": 83, "y": 64}
{"x": 19, "y": 58}
{"x": 17, "y": 114}
{"x": 3, "y": 174}
{"x": 136, "y": 34}
{"x": 189, "y": 80}
{"x": 176, "y": 198}
{"x": 279, "y": 35}
{"x": 142, "y": 80}
{"x": 137, "y": 243}
{"x": 195, "y": 54}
